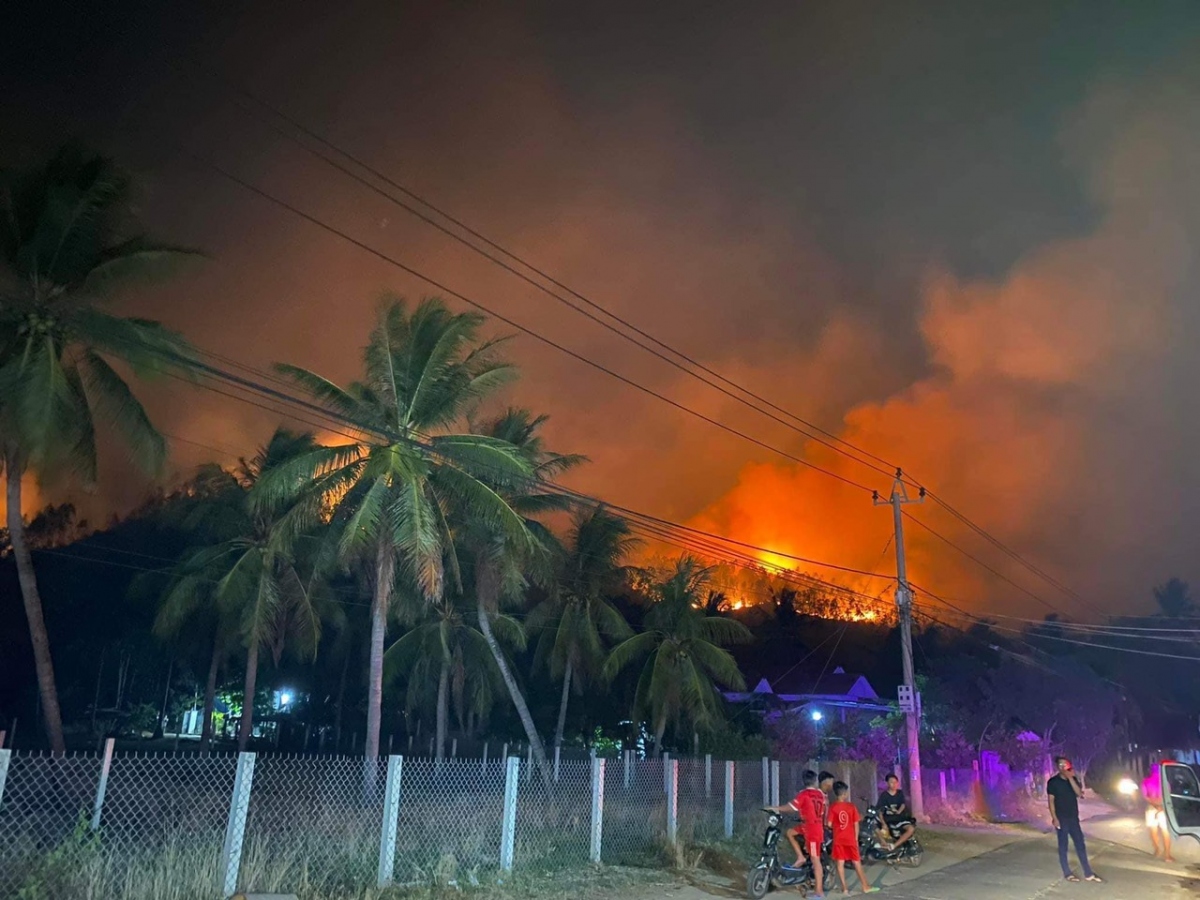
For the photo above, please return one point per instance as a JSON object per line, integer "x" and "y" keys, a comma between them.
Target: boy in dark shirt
{"x": 894, "y": 812}
{"x": 1063, "y": 791}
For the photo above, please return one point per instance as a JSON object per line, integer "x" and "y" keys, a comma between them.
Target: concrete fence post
{"x": 5, "y": 757}
{"x": 485, "y": 750}
{"x": 766, "y": 781}
{"x": 557, "y": 759}
{"x": 774, "y": 782}
{"x": 666, "y": 761}
{"x": 508, "y": 826}
{"x": 707, "y": 776}
{"x": 102, "y": 785}
{"x": 729, "y": 775}
{"x": 672, "y": 770}
{"x": 628, "y": 768}
{"x": 597, "y": 808}
{"x": 391, "y": 821}
{"x": 235, "y": 828}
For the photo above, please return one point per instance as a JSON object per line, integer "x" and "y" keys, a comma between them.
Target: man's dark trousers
{"x": 1072, "y": 828}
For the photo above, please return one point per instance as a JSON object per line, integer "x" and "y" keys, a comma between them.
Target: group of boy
{"x": 823, "y": 802}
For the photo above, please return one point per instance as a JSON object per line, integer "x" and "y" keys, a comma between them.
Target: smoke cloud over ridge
{"x": 1057, "y": 410}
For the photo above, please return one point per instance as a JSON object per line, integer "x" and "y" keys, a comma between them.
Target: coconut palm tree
{"x": 259, "y": 593}
{"x": 682, "y": 649}
{"x": 503, "y": 565}
{"x": 391, "y": 485}
{"x": 577, "y": 621}
{"x": 444, "y": 648}
{"x": 64, "y": 250}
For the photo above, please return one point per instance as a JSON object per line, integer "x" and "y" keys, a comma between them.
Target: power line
{"x": 715, "y": 380}
{"x": 715, "y": 540}
{"x": 799, "y": 460}
{"x": 1010, "y": 552}
{"x": 809, "y": 429}
{"x": 975, "y": 559}
{"x": 314, "y": 220}
{"x": 1098, "y": 646}
{"x": 624, "y": 511}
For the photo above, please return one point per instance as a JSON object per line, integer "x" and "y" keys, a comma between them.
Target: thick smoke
{"x": 1057, "y": 411}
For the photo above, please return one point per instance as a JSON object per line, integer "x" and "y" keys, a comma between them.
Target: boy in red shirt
{"x": 811, "y": 805}
{"x": 843, "y": 816}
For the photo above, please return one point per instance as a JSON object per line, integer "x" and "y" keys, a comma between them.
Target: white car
{"x": 1181, "y": 798}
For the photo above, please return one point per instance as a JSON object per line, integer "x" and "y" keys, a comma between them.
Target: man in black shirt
{"x": 893, "y": 809}
{"x": 1063, "y": 792}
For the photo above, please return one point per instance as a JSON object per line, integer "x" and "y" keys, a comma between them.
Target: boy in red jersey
{"x": 812, "y": 808}
{"x": 843, "y": 816}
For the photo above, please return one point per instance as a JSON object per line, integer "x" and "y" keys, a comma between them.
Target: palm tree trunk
{"x": 659, "y": 731}
{"x": 487, "y": 592}
{"x": 210, "y": 697}
{"x": 562, "y": 706}
{"x": 341, "y": 702}
{"x": 246, "y": 725}
{"x": 443, "y": 709}
{"x": 162, "y": 710}
{"x": 43, "y": 663}
{"x": 385, "y": 565}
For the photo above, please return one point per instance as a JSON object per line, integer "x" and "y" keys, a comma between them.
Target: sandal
{"x": 1095, "y": 879}
{"x": 1074, "y": 878}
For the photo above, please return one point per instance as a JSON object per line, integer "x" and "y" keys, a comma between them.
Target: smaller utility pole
{"x": 896, "y": 501}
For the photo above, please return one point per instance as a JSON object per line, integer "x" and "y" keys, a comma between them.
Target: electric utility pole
{"x": 910, "y": 703}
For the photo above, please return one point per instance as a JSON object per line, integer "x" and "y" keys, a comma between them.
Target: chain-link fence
{"x": 169, "y": 827}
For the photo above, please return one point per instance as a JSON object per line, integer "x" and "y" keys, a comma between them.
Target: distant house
{"x": 797, "y": 693}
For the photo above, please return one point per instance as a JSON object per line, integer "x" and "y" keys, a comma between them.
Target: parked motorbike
{"x": 910, "y": 853}
{"x": 1128, "y": 795}
{"x": 768, "y": 872}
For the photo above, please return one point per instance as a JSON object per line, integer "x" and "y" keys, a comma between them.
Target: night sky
{"x": 962, "y": 235}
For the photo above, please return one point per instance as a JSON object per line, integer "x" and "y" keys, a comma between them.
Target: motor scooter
{"x": 768, "y": 872}
{"x": 910, "y": 853}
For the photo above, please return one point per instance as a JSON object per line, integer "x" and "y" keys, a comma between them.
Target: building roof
{"x": 794, "y": 687}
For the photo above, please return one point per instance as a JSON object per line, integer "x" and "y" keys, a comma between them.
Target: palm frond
{"x": 361, "y": 528}
{"x": 288, "y": 480}
{"x": 717, "y": 663}
{"x": 114, "y": 402}
{"x": 630, "y": 651}
{"x": 415, "y": 530}
{"x": 147, "y": 347}
{"x": 135, "y": 260}
{"x": 722, "y": 631}
{"x": 324, "y": 390}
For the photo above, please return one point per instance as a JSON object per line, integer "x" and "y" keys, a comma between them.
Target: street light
{"x": 816, "y": 715}
{"x": 285, "y": 698}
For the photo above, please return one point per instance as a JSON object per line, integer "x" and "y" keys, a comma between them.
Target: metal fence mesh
{"x": 316, "y": 825}
{"x": 313, "y": 823}
{"x": 635, "y": 811}
{"x": 450, "y": 819}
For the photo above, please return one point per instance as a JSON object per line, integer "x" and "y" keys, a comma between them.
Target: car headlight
{"x": 1127, "y": 787}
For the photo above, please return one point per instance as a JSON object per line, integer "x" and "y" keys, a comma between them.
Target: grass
{"x": 447, "y": 844}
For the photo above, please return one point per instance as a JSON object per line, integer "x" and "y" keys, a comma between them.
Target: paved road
{"x": 1028, "y": 870}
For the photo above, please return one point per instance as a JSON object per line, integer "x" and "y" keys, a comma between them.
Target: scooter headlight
{"x": 1127, "y": 787}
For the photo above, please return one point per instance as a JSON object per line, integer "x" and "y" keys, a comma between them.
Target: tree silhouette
{"x": 1175, "y": 599}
